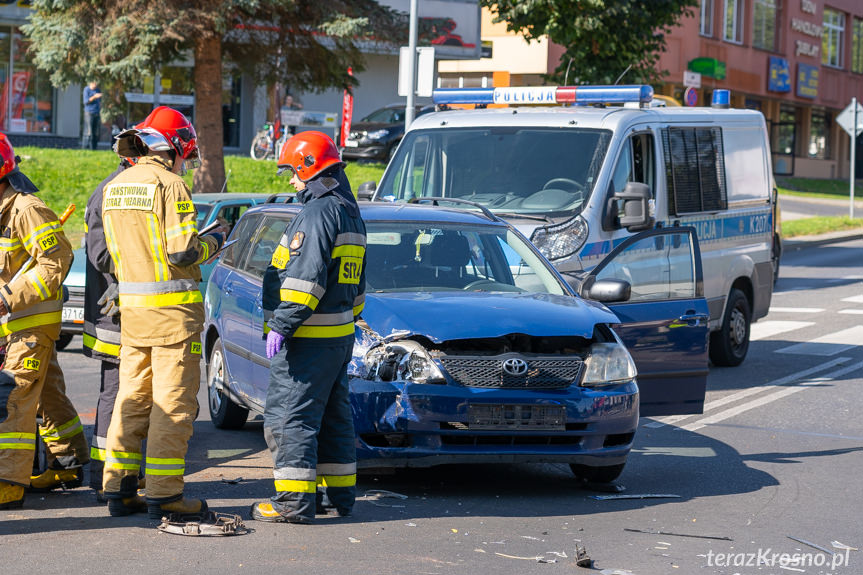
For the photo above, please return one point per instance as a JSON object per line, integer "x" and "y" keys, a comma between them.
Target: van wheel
{"x": 729, "y": 345}
{"x": 605, "y": 474}
{"x": 224, "y": 413}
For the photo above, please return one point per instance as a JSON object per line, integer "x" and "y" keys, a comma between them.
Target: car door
{"x": 664, "y": 322}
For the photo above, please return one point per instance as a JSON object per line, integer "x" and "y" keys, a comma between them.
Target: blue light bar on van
{"x": 545, "y": 95}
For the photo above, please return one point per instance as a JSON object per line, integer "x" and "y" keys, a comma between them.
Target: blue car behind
{"x": 473, "y": 348}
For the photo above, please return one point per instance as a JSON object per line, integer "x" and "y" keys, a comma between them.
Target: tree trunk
{"x": 210, "y": 177}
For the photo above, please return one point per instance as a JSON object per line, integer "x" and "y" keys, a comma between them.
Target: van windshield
{"x": 548, "y": 171}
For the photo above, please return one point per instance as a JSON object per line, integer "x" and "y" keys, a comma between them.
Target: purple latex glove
{"x": 274, "y": 343}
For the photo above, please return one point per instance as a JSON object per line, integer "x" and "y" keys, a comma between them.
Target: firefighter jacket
{"x": 315, "y": 284}
{"x": 29, "y": 229}
{"x": 150, "y": 227}
{"x": 101, "y": 332}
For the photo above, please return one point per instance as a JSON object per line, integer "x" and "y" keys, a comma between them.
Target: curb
{"x": 804, "y": 242}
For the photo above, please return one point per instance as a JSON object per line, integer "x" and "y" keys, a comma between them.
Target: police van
{"x": 591, "y": 165}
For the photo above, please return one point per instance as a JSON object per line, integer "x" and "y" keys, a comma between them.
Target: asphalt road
{"x": 777, "y": 454}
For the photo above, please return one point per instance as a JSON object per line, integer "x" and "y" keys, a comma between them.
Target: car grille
{"x": 487, "y": 371}
{"x": 76, "y": 295}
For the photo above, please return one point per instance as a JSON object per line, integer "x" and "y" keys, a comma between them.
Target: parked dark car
{"x": 472, "y": 348}
{"x": 376, "y": 136}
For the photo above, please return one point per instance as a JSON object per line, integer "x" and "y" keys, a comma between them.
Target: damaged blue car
{"x": 472, "y": 348}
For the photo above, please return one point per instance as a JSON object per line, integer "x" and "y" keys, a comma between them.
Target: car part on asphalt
{"x": 209, "y": 524}
{"x": 654, "y": 532}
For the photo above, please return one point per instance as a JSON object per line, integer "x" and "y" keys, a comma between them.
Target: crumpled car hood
{"x": 445, "y": 316}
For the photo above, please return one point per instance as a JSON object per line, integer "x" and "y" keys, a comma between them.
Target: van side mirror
{"x": 366, "y": 191}
{"x": 607, "y": 290}
{"x": 636, "y": 212}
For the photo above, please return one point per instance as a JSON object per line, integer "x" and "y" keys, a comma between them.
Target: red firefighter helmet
{"x": 308, "y": 154}
{"x": 165, "y": 129}
{"x": 9, "y": 171}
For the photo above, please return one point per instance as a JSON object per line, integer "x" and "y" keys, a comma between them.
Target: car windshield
{"x": 203, "y": 211}
{"x": 415, "y": 256}
{"x": 546, "y": 171}
{"x": 386, "y": 116}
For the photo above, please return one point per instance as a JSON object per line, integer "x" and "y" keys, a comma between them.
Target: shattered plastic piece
{"x": 582, "y": 559}
{"x": 411, "y": 524}
{"x": 652, "y": 532}
{"x": 353, "y": 540}
{"x": 529, "y": 537}
{"x": 544, "y": 560}
{"x": 208, "y": 524}
{"x": 478, "y": 550}
{"x": 635, "y": 496}
{"x": 813, "y": 545}
{"x": 560, "y": 554}
{"x": 787, "y": 568}
{"x": 616, "y": 572}
{"x": 537, "y": 558}
{"x": 842, "y": 546}
{"x": 454, "y": 530}
{"x": 232, "y": 481}
{"x": 376, "y": 494}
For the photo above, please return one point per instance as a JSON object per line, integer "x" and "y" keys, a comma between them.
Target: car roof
{"x": 215, "y": 198}
{"x": 399, "y": 211}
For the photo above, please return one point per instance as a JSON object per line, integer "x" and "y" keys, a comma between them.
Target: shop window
{"x": 764, "y": 24}
{"x": 26, "y": 94}
{"x": 734, "y": 21}
{"x": 706, "y": 20}
{"x": 819, "y": 135}
{"x": 231, "y": 92}
{"x": 832, "y": 39}
{"x": 857, "y": 46}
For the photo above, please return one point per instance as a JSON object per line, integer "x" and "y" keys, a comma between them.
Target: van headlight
{"x": 560, "y": 240}
{"x": 606, "y": 364}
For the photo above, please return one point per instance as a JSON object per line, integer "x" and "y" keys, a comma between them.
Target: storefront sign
{"x": 807, "y": 81}
{"x": 710, "y": 67}
{"x": 812, "y": 29}
{"x": 779, "y": 75}
{"x": 691, "y": 79}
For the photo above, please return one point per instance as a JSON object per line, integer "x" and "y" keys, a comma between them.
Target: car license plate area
{"x": 73, "y": 314}
{"x": 351, "y": 143}
{"x": 515, "y": 417}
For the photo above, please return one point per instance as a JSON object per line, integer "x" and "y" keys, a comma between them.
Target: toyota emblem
{"x": 515, "y": 366}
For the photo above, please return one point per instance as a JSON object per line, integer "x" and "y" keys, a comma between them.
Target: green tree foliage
{"x": 307, "y": 44}
{"x": 602, "y": 38}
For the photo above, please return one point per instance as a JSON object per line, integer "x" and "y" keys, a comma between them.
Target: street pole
{"x": 412, "y": 65}
{"x": 853, "y": 159}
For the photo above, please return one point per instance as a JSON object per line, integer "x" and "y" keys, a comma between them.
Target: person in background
{"x": 92, "y": 115}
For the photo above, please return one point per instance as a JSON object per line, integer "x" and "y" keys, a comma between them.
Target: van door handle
{"x": 693, "y": 319}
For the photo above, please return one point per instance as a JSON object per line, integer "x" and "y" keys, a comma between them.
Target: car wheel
{"x": 224, "y": 413}
{"x": 605, "y": 474}
{"x": 729, "y": 345}
{"x": 64, "y": 340}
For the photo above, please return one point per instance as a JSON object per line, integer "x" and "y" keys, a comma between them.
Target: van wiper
{"x": 525, "y": 216}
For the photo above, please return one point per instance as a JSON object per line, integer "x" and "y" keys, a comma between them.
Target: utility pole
{"x": 412, "y": 66}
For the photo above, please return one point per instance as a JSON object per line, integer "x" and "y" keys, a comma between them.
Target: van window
{"x": 746, "y": 150}
{"x": 635, "y": 164}
{"x": 694, "y": 170}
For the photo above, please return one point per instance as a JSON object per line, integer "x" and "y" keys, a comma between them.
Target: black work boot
{"x": 264, "y": 511}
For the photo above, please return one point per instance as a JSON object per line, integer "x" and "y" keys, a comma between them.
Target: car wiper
{"x": 525, "y": 216}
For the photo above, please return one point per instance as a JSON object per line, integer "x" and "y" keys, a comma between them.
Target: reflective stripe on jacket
{"x": 149, "y": 223}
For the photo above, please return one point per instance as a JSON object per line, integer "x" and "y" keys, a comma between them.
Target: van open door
{"x": 663, "y": 315}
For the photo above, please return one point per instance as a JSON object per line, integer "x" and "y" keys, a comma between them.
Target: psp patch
{"x": 31, "y": 363}
{"x": 297, "y": 240}
{"x": 185, "y": 207}
{"x": 196, "y": 347}
{"x": 48, "y": 243}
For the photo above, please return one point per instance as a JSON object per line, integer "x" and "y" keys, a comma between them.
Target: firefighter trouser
{"x": 110, "y": 384}
{"x": 309, "y": 427}
{"x": 156, "y": 401}
{"x": 31, "y": 384}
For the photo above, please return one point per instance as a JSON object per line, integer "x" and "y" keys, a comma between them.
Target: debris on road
{"x": 210, "y": 524}
{"x": 353, "y": 540}
{"x": 232, "y": 481}
{"x": 635, "y": 496}
{"x": 652, "y": 532}
{"x": 813, "y": 545}
{"x": 842, "y": 546}
{"x": 582, "y": 559}
{"x": 535, "y": 558}
{"x": 375, "y": 495}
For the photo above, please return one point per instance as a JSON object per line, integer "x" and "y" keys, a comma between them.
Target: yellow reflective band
{"x": 101, "y": 346}
{"x": 68, "y": 429}
{"x": 205, "y": 251}
{"x": 337, "y": 480}
{"x": 97, "y": 454}
{"x": 18, "y": 435}
{"x": 30, "y": 321}
{"x": 358, "y": 309}
{"x": 159, "y": 264}
{"x": 115, "y": 465}
{"x": 323, "y": 331}
{"x": 9, "y": 245}
{"x": 349, "y": 251}
{"x": 122, "y": 455}
{"x": 160, "y": 300}
{"x": 281, "y": 257}
{"x": 299, "y": 297}
{"x": 40, "y": 286}
{"x": 112, "y": 244}
{"x": 151, "y": 471}
{"x": 18, "y": 446}
{"x": 185, "y": 207}
{"x": 182, "y": 229}
{"x": 31, "y": 363}
{"x": 41, "y": 231}
{"x": 166, "y": 460}
{"x": 295, "y": 486}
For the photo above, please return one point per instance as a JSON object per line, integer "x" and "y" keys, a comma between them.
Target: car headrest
{"x": 451, "y": 250}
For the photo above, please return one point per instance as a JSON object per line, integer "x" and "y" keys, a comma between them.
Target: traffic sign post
{"x": 851, "y": 120}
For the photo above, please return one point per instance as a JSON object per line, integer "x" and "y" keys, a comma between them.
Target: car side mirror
{"x": 607, "y": 291}
{"x": 366, "y": 191}
{"x": 636, "y": 212}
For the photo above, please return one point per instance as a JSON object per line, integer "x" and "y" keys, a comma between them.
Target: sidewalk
{"x": 801, "y": 242}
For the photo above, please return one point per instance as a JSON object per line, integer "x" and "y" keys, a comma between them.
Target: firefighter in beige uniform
{"x": 31, "y": 382}
{"x": 150, "y": 228}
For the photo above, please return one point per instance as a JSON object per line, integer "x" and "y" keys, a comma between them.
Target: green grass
{"x": 819, "y": 225}
{"x": 69, "y": 176}
{"x": 809, "y": 187}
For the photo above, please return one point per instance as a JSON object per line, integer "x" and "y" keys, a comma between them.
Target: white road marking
{"x": 852, "y": 311}
{"x": 732, "y": 397}
{"x": 854, "y": 299}
{"x": 829, "y": 344}
{"x": 769, "y": 328}
{"x": 778, "y": 394}
{"x": 796, "y": 309}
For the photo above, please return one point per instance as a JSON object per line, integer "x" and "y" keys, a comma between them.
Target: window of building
{"x": 764, "y": 24}
{"x": 734, "y": 21}
{"x": 831, "y": 41}
{"x": 26, "y": 95}
{"x": 857, "y": 46}
{"x": 706, "y": 20}
{"x": 694, "y": 169}
{"x": 819, "y": 134}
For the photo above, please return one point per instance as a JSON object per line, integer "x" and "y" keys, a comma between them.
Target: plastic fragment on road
{"x": 375, "y": 495}
{"x": 582, "y": 559}
{"x": 353, "y": 540}
{"x": 232, "y": 481}
{"x": 544, "y": 560}
{"x": 535, "y": 558}
{"x": 209, "y": 524}
{"x": 838, "y": 545}
{"x": 653, "y": 532}
{"x": 635, "y": 496}
{"x": 813, "y": 545}
{"x": 616, "y": 572}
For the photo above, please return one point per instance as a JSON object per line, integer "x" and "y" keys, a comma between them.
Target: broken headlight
{"x": 561, "y": 240}
{"x": 608, "y": 363}
{"x": 404, "y": 360}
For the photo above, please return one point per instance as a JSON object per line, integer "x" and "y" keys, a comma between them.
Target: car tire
{"x": 224, "y": 413}
{"x": 604, "y": 474}
{"x": 63, "y": 341}
{"x": 729, "y": 345}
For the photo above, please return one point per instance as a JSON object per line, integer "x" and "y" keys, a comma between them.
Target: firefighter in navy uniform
{"x": 31, "y": 382}
{"x": 150, "y": 227}
{"x": 315, "y": 287}
{"x": 101, "y": 330}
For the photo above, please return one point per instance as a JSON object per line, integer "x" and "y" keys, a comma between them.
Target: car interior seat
{"x": 445, "y": 260}
{"x": 387, "y": 266}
